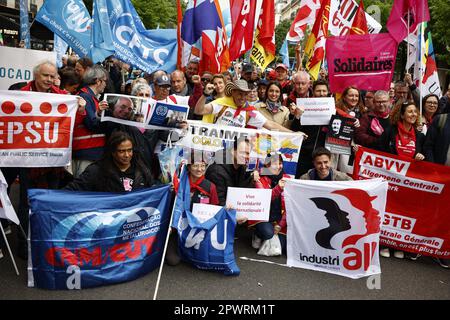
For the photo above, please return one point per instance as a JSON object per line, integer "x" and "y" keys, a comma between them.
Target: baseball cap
{"x": 280, "y": 65}
{"x": 163, "y": 80}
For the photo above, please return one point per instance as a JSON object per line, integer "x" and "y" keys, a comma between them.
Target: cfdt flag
{"x": 365, "y": 61}
{"x": 70, "y": 20}
{"x": 334, "y": 226}
{"x": 88, "y": 239}
{"x": 204, "y": 36}
{"x": 24, "y": 23}
{"x": 36, "y": 129}
{"x": 207, "y": 245}
{"x": 118, "y": 30}
{"x": 405, "y": 17}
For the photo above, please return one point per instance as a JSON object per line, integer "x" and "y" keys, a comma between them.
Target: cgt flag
{"x": 334, "y": 226}
{"x": 88, "y": 239}
{"x": 365, "y": 61}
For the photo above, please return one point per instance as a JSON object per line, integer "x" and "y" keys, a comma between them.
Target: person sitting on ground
{"x": 120, "y": 170}
{"x": 271, "y": 177}
{"x": 322, "y": 170}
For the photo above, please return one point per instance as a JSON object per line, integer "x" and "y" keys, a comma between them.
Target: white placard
{"x": 318, "y": 111}
{"x": 253, "y": 204}
{"x": 204, "y": 212}
{"x": 16, "y": 64}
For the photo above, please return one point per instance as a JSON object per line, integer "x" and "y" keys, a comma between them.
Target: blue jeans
{"x": 264, "y": 231}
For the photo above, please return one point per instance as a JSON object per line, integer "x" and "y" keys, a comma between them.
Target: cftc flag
{"x": 70, "y": 20}
{"x": 88, "y": 239}
{"x": 335, "y": 226}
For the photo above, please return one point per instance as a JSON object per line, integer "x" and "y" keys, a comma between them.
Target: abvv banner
{"x": 417, "y": 217}
{"x": 36, "y": 129}
{"x": 334, "y": 226}
{"x": 365, "y": 61}
{"x": 86, "y": 239}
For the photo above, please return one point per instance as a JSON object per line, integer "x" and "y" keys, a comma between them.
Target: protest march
{"x": 130, "y": 148}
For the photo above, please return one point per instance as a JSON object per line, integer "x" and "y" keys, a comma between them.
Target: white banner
{"x": 318, "y": 111}
{"x": 334, "y": 226}
{"x": 6, "y": 208}
{"x": 36, "y": 129}
{"x": 16, "y": 64}
{"x": 251, "y": 203}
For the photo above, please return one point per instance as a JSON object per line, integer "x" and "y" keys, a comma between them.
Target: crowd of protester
{"x": 113, "y": 157}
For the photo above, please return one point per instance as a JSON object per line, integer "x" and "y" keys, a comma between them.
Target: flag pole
{"x": 166, "y": 244}
{"x": 407, "y": 48}
{"x": 9, "y": 249}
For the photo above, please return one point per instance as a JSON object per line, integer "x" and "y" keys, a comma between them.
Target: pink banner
{"x": 365, "y": 61}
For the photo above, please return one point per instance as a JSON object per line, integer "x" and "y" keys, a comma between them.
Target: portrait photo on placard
{"x": 128, "y": 110}
{"x": 168, "y": 115}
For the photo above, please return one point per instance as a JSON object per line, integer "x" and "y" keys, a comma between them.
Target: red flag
{"x": 179, "y": 48}
{"x": 397, "y": 24}
{"x": 359, "y": 25}
{"x": 243, "y": 17}
{"x": 266, "y": 26}
{"x": 306, "y": 16}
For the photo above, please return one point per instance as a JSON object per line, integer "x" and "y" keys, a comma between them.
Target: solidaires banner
{"x": 417, "y": 216}
{"x": 334, "y": 226}
{"x": 36, "y": 129}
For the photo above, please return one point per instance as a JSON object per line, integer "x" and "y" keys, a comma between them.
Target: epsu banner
{"x": 88, "y": 239}
{"x": 417, "y": 215}
{"x": 365, "y": 61}
{"x": 334, "y": 226}
{"x": 36, "y": 129}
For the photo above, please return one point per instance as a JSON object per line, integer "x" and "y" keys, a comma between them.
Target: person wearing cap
{"x": 248, "y": 71}
{"x": 233, "y": 110}
{"x": 271, "y": 177}
{"x": 283, "y": 78}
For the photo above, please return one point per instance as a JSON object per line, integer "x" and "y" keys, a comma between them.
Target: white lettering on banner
{"x": 410, "y": 238}
{"x": 392, "y": 178}
{"x": 194, "y": 240}
{"x": 397, "y": 167}
{"x": 75, "y": 17}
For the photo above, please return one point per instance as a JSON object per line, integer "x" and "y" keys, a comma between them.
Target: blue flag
{"x": 117, "y": 30}
{"x": 89, "y": 239}
{"x": 284, "y": 53}
{"x": 70, "y": 20}
{"x": 60, "y": 47}
{"x": 24, "y": 23}
{"x": 207, "y": 245}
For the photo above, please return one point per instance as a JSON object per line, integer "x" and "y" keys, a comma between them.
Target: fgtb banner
{"x": 36, "y": 129}
{"x": 417, "y": 218}
{"x": 365, "y": 61}
{"x": 334, "y": 226}
{"x": 88, "y": 239}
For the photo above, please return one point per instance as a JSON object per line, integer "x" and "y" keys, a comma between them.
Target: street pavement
{"x": 400, "y": 279}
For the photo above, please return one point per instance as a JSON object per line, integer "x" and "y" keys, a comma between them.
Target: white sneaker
{"x": 385, "y": 253}
{"x": 256, "y": 242}
{"x": 399, "y": 254}
{"x": 1, "y": 254}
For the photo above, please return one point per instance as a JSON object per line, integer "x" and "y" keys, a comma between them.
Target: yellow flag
{"x": 259, "y": 55}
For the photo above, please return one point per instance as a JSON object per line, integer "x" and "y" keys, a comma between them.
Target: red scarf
{"x": 405, "y": 141}
{"x": 196, "y": 186}
{"x": 245, "y": 107}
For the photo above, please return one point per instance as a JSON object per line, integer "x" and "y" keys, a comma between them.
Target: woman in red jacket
{"x": 271, "y": 177}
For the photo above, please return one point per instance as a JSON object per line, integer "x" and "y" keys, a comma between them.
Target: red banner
{"x": 417, "y": 217}
{"x": 365, "y": 61}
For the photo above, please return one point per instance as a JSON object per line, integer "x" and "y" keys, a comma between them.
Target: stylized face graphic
{"x": 336, "y": 125}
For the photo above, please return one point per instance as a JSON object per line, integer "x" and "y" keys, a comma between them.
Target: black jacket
{"x": 437, "y": 141}
{"x": 96, "y": 178}
{"x": 225, "y": 175}
{"x": 387, "y": 142}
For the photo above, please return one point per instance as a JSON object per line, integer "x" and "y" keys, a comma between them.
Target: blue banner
{"x": 118, "y": 30}
{"x": 284, "y": 53}
{"x": 207, "y": 245}
{"x": 88, "y": 239}
{"x": 24, "y": 23}
{"x": 70, "y": 20}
